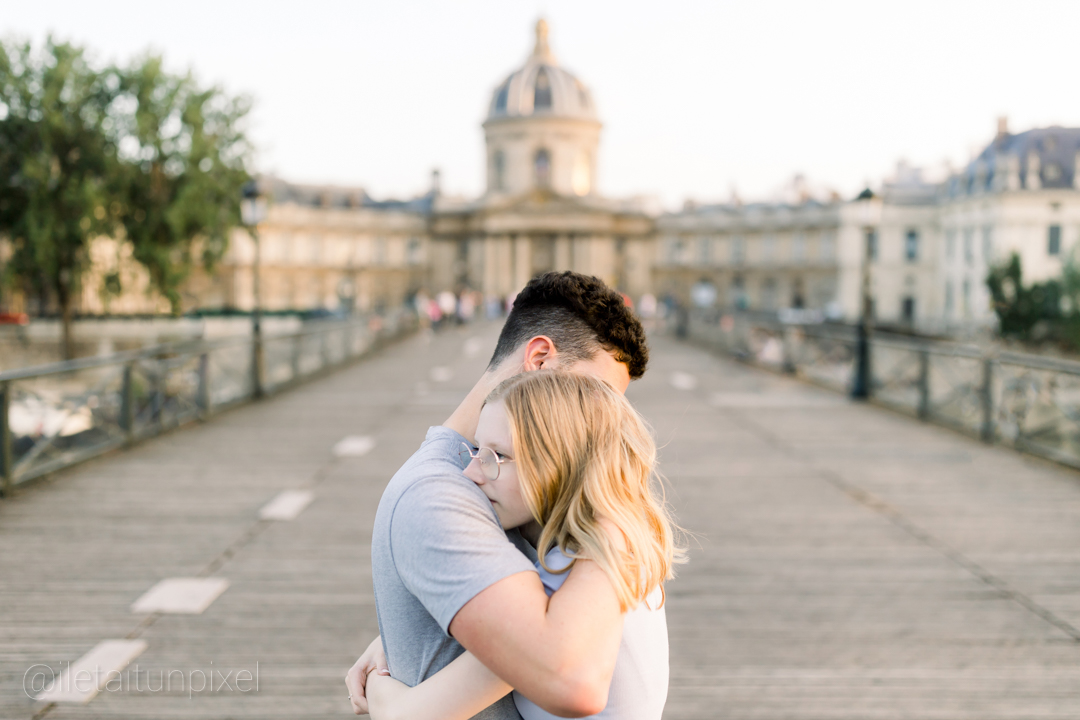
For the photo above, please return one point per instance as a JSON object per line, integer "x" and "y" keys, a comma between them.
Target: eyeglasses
{"x": 489, "y": 459}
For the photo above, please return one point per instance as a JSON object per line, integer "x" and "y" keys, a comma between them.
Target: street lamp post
{"x": 860, "y": 388}
{"x": 252, "y": 212}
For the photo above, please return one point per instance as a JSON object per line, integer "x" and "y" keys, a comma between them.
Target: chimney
{"x": 436, "y": 181}
{"x": 1002, "y": 130}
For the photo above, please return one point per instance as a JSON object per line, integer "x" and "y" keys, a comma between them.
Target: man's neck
{"x": 465, "y": 418}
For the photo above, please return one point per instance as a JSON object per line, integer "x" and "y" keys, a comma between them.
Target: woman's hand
{"x": 457, "y": 692}
{"x": 372, "y": 661}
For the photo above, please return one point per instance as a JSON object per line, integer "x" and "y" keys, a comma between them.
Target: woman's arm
{"x": 457, "y": 692}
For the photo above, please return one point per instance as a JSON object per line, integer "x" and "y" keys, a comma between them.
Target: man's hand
{"x": 373, "y": 660}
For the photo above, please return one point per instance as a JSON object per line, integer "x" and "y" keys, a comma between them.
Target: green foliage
{"x": 1026, "y": 313}
{"x": 1046, "y": 311}
{"x": 56, "y": 163}
{"x": 183, "y": 155}
{"x": 148, "y": 157}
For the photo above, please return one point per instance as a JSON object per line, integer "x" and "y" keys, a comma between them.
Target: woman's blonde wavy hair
{"x": 584, "y": 453}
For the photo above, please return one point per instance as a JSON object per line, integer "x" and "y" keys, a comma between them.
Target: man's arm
{"x": 453, "y": 556}
{"x": 558, "y": 652}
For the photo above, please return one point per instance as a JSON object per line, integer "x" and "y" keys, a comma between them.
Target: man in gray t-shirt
{"x": 447, "y": 577}
{"x": 436, "y": 545}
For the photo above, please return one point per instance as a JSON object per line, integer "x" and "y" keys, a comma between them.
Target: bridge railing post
{"x": 986, "y": 396}
{"x": 204, "y": 385}
{"x": 7, "y": 462}
{"x": 924, "y": 384}
{"x": 257, "y": 366}
{"x": 127, "y": 403}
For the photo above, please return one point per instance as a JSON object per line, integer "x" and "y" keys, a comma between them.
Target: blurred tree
{"x": 56, "y": 162}
{"x": 138, "y": 153}
{"x": 183, "y": 157}
{"x": 1026, "y": 313}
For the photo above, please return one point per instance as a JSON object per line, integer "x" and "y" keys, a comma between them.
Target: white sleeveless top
{"x": 640, "y": 683}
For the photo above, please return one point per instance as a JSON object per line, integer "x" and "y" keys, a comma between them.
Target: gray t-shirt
{"x": 437, "y": 543}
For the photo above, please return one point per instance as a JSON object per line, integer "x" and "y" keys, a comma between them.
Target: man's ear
{"x": 540, "y": 353}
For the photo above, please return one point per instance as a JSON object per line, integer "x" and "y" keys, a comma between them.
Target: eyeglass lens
{"x": 489, "y": 461}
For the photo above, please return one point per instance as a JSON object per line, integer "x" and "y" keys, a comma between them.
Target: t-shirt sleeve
{"x": 448, "y": 547}
{"x": 555, "y": 560}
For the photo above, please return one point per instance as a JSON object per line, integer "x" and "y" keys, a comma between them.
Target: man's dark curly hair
{"x": 581, "y": 315}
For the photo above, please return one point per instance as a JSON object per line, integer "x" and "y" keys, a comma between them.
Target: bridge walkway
{"x": 846, "y": 562}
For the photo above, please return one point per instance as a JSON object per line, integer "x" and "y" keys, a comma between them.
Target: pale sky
{"x": 696, "y": 97}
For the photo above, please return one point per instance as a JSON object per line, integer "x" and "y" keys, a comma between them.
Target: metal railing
{"x": 53, "y": 416}
{"x": 1029, "y": 402}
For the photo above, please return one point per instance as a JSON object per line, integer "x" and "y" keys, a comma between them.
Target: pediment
{"x": 545, "y": 201}
{"x": 542, "y": 211}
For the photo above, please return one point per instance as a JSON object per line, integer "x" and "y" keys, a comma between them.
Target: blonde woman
{"x": 569, "y": 462}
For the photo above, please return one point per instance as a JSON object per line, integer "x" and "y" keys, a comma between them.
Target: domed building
{"x": 541, "y": 130}
{"x": 921, "y": 248}
{"x": 541, "y": 209}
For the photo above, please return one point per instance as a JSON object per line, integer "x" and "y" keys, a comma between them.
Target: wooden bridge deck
{"x": 847, "y": 562}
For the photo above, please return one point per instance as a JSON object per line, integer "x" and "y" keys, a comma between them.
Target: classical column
{"x": 522, "y": 262}
{"x": 579, "y": 255}
{"x": 563, "y": 254}
{"x": 604, "y": 260}
{"x": 490, "y": 282}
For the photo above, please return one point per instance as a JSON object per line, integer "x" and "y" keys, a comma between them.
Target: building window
{"x": 871, "y": 244}
{"x": 500, "y": 99}
{"x": 675, "y": 251}
{"x": 704, "y": 251}
{"x": 581, "y": 181}
{"x": 969, "y": 246}
{"x": 988, "y": 244}
{"x": 768, "y": 294}
{"x": 798, "y": 249}
{"x": 542, "y": 93}
{"x": 1053, "y": 240}
{"x": 414, "y": 251}
{"x": 966, "y": 298}
{"x": 738, "y": 250}
{"x": 768, "y": 249}
{"x": 828, "y": 247}
{"x": 911, "y": 245}
{"x": 542, "y": 168}
{"x": 797, "y": 300}
{"x": 950, "y": 244}
{"x": 738, "y": 293}
{"x": 498, "y": 170}
{"x": 907, "y": 309}
{"x": 950, "y": 301}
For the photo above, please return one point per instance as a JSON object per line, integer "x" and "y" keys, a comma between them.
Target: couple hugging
{"x": 519, "y": 556}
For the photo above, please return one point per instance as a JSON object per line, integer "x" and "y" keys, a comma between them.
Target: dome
{"x": 542, "y": 89}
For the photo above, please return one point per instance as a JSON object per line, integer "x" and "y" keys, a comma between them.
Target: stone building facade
{"x": 540, "y": 210}
{"x": 923, "y": 248}
{"x": 761, "y": 256}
